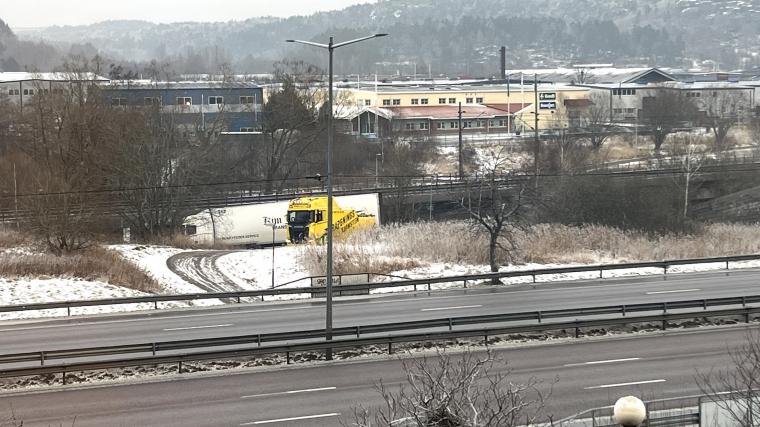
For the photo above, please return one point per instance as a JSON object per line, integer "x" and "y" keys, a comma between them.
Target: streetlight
{"x": 331, "y": 46}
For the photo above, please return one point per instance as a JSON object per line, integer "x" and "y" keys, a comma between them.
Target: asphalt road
{"x": 233, "y": 320}
{"x": 590, "y": 373}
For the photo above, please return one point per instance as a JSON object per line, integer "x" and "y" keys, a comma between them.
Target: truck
{"x": 265, "y": 224}
{"x": 307, "y": 219}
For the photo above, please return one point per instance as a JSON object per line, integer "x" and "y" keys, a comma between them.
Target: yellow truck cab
{"x": 307, "y": 219}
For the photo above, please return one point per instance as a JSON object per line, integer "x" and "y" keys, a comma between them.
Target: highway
{"x": 151, "y": 326}
{"x": 590, "y": 373}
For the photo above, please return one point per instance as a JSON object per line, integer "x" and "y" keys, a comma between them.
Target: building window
{"x": 452, "y": 100}
{"x": 415, "y": 101}
{"x": 118, "y": 102}
{"x": 246, "y": 99}
{"x": 151, "y": 100}
{"x": 29, "y": 92}
{"x": 454, "y": 125}
{"x": 469, "y": 100}
{"x": 396, "y": 102}
{"x": 441, "y": 100}
{"x": 367, "y": 102}
{"x": 424, "y": 126}
{"x": 215, "y": 100}
{"x": 424, "y": 101}
{"x": 619, "y": 92}
{"x": 386, "y": 102}
{"x": 10, "y": 91}
{"x": 184, "y": 100}
{"x": 246, "y": 129}
{"x": 409, "y": 126}
{"x": 13, "y": 92}
{"x": 479, "y": 100}
{"x": 440, "y": 125}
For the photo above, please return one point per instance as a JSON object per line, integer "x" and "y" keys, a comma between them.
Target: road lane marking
{"x": 603, "y": 362}
{"x": 624, "y": 384}
{"x": 198, "y": 327}
{"x": 281, "y": 393}
{"x": 451, "y": 308}
{"x": 673, "y": 292}
{"x": 282, "y": 420}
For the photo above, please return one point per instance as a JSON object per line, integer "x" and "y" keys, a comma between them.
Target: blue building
{"x": 237, "y": 105}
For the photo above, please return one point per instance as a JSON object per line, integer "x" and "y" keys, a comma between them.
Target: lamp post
{"x": 331, "y": 46}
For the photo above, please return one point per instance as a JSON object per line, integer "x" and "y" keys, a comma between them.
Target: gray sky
{"x": 42, "y": 13}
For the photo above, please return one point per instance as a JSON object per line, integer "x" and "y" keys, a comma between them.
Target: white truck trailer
{"x": 260, "y": 224}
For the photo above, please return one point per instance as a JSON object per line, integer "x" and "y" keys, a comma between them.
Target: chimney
{"x": 503, "y": 71}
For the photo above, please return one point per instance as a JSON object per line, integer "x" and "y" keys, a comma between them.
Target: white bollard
{"x": 630, "y": 411}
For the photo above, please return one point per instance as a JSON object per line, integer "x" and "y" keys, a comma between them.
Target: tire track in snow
{"x": 200, "y": 269}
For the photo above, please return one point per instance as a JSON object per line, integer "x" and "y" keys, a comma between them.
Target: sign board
{"x": 346, "y": 279}
{"x": 127, "y": 235}
{"x": 547, "y": 96}
{"x": 547, "y": 105}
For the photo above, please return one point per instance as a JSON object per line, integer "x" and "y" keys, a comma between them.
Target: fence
{"x": 416, "y": 284}
{"x": 311, "y": 340}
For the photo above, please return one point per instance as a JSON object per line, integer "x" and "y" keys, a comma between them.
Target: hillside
{"x": 450, "y": 36}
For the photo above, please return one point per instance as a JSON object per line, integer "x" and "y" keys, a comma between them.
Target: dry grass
{"x": 10, "y": 238}
{"x": 95, "y": 263}
{"x": 396, "y": 247}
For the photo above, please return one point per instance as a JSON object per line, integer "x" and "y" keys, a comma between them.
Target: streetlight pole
{"x": 331, "y": 46}
{"x": 461, "y": 165}
{"x": 274, "y": 224}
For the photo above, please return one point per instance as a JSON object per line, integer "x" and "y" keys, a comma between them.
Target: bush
{"x": 95, "y": 263}
{"x": 397, "y": 247}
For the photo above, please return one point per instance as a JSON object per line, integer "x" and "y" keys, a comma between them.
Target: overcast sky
{"x": 42, "y": 13}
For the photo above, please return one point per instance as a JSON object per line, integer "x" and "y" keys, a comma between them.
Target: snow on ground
{"x": 28, "y": 291}
{"x": 252, "y": 269}
{"x": 152, "y": 260}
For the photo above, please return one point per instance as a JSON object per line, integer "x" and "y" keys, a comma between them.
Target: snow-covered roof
{"x": 8, "y": 77}
{"x": 467, "y": 88}
{"x": 592, "y": 74}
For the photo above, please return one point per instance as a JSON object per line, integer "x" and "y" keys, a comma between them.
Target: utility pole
{"x": 461, "y": 163}
{"x": 536, "y": 140}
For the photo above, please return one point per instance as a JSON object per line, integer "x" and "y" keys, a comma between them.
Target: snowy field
{"x": 252, "y": 269}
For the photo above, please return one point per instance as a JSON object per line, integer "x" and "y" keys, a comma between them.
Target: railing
{"x": 311, "y": 340}
{"x": 416, "y": 284}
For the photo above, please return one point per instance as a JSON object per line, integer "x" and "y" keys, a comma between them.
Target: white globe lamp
{"x": 629, "y": 411}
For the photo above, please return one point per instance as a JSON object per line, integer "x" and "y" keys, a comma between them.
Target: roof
{"x": 184, "y": 85}
{"x": 443, "y": 112}
{"x": 8, "y": 77}
{"x": 592, "y": 75}
{"x": 672, "y": 85}
{"x": 464, "y": 88}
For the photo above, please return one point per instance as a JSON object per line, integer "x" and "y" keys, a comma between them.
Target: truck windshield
{"x": 300, "y": 217}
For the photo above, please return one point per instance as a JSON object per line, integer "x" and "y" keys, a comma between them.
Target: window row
{"x": 619, "y": 92}
{"x": 466, "y": 124}
{"x": 623, "y": 110}
{"x": 182, "y": 100}
{"x": 426, "y": 101}
{"x": 30, "y": 92}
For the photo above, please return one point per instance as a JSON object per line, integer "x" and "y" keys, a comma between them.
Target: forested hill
{"x": 450, "y": 36}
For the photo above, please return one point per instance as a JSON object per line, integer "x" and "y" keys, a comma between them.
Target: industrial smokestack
{"x": 503, "y": 72}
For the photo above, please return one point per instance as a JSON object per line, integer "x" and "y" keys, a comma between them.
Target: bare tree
{"x": 735, "y": 389}
{"x": 164, "y": 165}
{"x": 690, "y": 157}
{"x": 665, "y": 113}
{"x": 496, "y": 206}
{"x": 69, "y": 129}
{"x": 722, "y": 113}
{"x": 595, "y": 122}
{"x": 469, "y": 390}
{"x": 291, "y": 125}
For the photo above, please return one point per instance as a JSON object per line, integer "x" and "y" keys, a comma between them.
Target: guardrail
{"x": 348, "y": 289}
{"x": 254, "y": 343}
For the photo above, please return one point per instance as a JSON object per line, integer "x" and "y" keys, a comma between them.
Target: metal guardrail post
{"x": 42, "y": 358}
{"x": 68, "y": 310}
